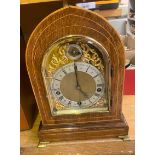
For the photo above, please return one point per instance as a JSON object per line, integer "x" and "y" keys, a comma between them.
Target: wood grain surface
{"x": 29, "y": 140}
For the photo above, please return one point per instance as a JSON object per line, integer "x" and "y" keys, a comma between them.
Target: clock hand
{"x": 86, "y": 95}
{"x": 77, "y": 82}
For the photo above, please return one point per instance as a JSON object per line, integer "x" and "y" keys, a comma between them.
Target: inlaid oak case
{"x": 75, "y": 61}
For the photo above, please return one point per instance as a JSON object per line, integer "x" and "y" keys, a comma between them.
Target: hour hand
{"x": 85, "y": 95}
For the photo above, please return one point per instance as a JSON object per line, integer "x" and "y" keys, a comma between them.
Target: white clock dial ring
{"x": 90, "y": 85}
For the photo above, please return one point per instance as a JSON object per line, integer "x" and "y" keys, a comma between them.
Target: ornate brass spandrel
{"x": 91, "y": 56}
{"x": 100, "y": 103}
{"x": 57, "y": 58}
{"x": 56, "y": 104}
{"x": 59, "y": 106}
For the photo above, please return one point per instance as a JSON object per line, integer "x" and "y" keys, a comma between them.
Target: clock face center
{"x": 84, "y": 91}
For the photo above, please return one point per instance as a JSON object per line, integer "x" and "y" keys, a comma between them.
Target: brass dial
{"x": 76, "y": 72}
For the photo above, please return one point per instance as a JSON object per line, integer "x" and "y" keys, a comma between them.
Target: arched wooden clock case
{"x": 100, "y": 45}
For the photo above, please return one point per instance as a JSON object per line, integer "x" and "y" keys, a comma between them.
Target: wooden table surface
{"x": 29, "y": 140}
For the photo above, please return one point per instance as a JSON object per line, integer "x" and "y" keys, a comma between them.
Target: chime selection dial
{"x": 77, "y": 85}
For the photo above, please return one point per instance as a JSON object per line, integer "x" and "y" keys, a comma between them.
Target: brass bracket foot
{"x": 124, "y": 138}
{"x": 43, "y": 144}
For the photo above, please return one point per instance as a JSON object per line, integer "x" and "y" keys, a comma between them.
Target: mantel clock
{"x": 75, "y": 61}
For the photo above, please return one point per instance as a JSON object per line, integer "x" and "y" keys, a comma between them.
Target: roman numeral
{"x": 100, "y": 85}
{"x": 79, "y": 103}
{"x": 64, "y": 71}
{"x": 61, "y": 97}
{"x": 57, "y": 79}
{"x": 97, "y": 94}
{"x": 96, "y": 75}
{"x": 87, "y": 68}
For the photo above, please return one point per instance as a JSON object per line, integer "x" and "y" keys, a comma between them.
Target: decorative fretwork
{"x": 91, "y": 56}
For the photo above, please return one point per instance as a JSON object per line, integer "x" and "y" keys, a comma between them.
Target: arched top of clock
{"x": 74, "y": 21}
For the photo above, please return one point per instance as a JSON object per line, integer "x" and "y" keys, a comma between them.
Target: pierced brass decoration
{"x": 99, "y": 104}
{"x": 57, "y": 59}
{"x": 90, "y": 56}
{"x": 59, "y": 106}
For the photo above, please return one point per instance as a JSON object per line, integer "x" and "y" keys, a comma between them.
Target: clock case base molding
{"x": 85, "y": 131}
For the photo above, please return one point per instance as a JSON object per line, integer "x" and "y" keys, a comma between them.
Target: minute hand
{"x": 77, "y": 82}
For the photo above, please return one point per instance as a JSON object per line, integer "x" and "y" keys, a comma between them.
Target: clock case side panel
{"x": 43, "y": 36}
